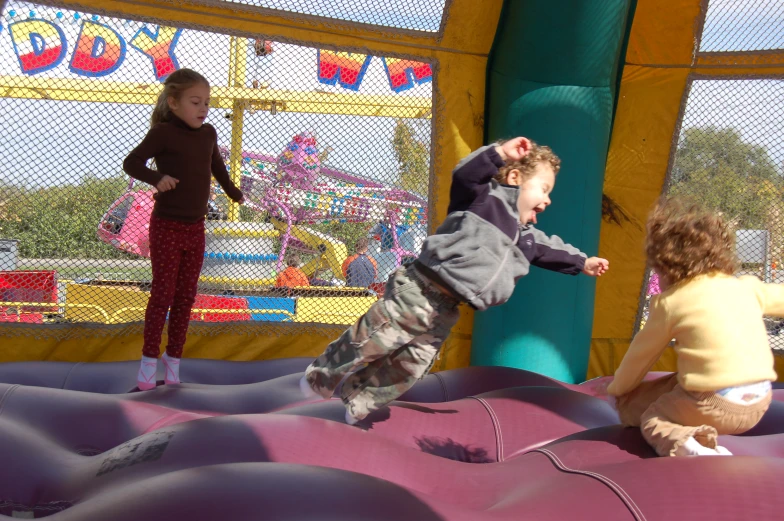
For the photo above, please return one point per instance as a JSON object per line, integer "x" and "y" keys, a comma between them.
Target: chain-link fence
{"x": 743, "y": 26}
{"x": 730, "y": 155}
{"x": 332, "y": 149}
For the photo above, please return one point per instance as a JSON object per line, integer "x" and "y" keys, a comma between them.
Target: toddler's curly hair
{"x": 526, "y": 166}
{"x": 685, "y": 240}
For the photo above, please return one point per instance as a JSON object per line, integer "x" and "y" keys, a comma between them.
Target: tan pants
{"x": 668, "y": 415}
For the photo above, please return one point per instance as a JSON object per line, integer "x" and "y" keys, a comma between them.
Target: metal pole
{"x": 237, "y": 73}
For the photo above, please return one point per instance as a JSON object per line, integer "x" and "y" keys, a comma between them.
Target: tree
{"x": 727, "y": 174}
{"x": 60, "y": 221}
{"x": 413, "y": 158}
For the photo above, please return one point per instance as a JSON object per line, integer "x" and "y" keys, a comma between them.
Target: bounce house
{"x": 343, "y": 121}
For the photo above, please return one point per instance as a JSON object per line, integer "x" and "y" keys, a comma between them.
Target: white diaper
{"x": 746, "y": 394}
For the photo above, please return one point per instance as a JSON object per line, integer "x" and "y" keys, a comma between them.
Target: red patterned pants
{"x": 176, "y": 253}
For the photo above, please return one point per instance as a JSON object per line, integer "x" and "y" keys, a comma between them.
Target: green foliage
{"x": 722, "y": 171}
{"x": 60, "y": 221}
{"x": 413, "y": 158}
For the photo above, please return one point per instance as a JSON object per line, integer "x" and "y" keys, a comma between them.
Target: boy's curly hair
{"x": 685, "y": 240}
{"x": 526, "y": 166}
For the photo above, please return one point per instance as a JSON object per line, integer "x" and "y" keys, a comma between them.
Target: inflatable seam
{"x": 499, "y": 439}
{"x": 6, "y": 396}
{"x": 612, "y": 485}
{"x": 443, "y": 386}
{"x": 65, "y": 382}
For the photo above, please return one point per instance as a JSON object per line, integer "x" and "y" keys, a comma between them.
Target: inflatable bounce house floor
{"x": 238, "y": 442}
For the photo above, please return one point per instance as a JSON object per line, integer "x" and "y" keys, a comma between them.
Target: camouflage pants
{"x": 396, "y": 342}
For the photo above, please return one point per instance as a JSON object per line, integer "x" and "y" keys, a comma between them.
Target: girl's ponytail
{"x": 161, "y": 110}
{"x": 176, "y": 83}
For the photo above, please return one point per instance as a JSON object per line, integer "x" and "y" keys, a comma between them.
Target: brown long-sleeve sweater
{"x": 189, "y": 155}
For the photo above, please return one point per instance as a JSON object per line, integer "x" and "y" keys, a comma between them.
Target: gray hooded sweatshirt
{"x": 481, "y": 249}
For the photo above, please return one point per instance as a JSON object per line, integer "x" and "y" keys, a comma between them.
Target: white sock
{"x": 723, "y": 451}
{"x": 307, "y": 391}
{"x": 692, "y": 447}
{"x": 172, "y": 368}
{"x": 147, "y": 371}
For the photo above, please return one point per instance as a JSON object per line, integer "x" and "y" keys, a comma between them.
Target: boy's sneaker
{"x": 145, "y": 380}
{"x": 350, "y": 420}
{"x": 307, "y": 391}
{"x": 354, "y": 414}
{"x": 171, "y": 367}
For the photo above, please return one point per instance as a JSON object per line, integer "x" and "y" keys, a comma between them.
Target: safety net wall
{"x": 331, "y": 148}
{"x": 728, "y": 152}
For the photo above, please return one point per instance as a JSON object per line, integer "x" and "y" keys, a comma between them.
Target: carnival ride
{"x": 291, "y": 190}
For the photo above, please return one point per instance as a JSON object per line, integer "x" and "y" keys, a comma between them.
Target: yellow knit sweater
{"x": 720, "y": 338}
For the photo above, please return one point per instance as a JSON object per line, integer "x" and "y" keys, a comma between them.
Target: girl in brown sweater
{"x": 186, "y": 155}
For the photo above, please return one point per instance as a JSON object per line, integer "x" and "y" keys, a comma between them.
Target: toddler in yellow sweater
{"x": 725, "y": 364}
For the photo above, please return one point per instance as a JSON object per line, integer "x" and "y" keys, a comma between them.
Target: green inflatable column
{"x": 552, "y": 76}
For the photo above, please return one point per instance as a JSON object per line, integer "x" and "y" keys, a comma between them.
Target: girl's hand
{"x": 596, "y": 266}
{"x": 515, "y": 149}
{"x": 166, "y": 183}
{"x": 600, "y": 389}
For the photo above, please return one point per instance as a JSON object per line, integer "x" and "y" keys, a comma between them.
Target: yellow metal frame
{"x": 66, "y": 89}
{"x": 237, "y": 72}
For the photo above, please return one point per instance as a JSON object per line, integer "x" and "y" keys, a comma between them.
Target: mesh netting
{"x": 413, "y": 15}
{"x": 743, "y": 25}
{"x": 730, "y": 155}
{"x": 329, "y": 147}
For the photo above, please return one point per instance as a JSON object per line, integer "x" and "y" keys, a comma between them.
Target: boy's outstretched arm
{"x": 478, "y": 168}
{"x": 552, "y": 253}
{"x": 596, "y": 266}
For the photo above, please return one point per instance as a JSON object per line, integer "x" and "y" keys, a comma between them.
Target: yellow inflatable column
{"x": 659, "y": 59}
